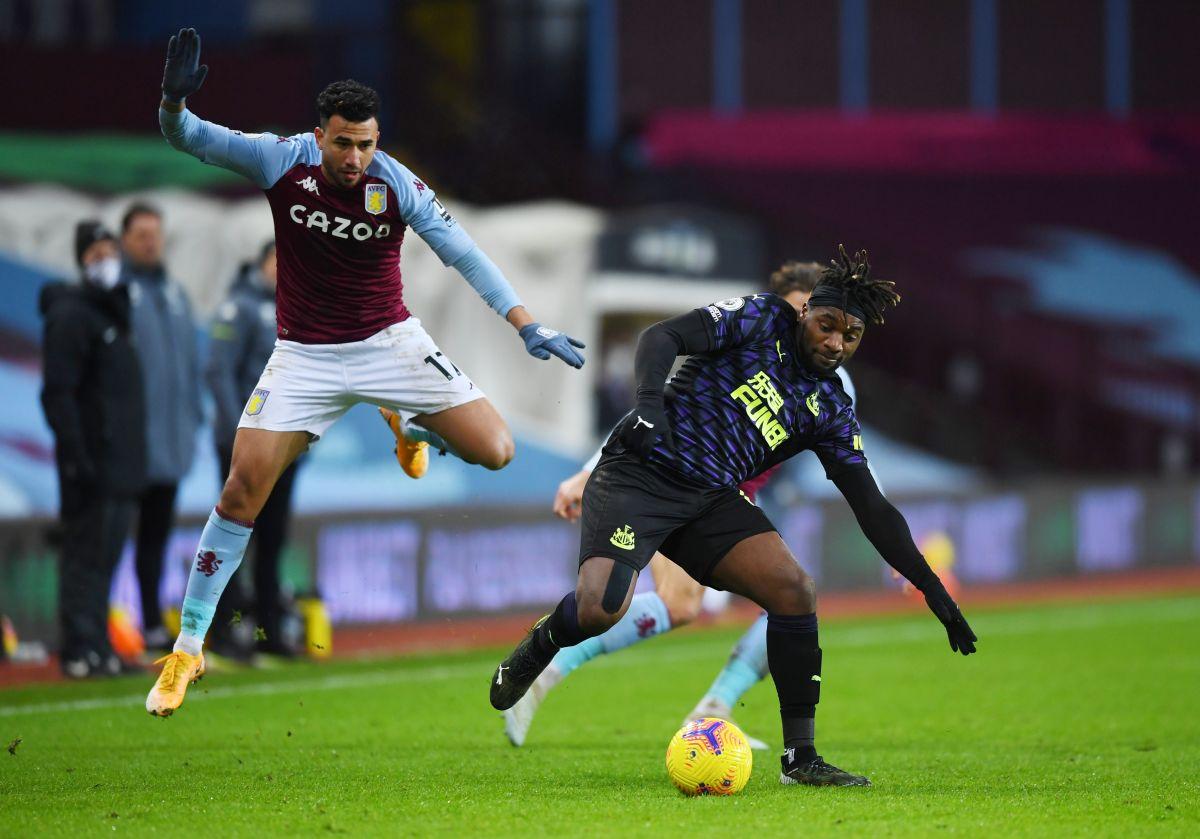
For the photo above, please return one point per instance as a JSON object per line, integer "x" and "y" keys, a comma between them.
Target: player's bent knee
{"x": 497, "y": 452}
{"x": 242, "y": 496}
{"x": 797, "y": 593}
{"x": 502, "y": 453}
{"x": 594, "y": 620}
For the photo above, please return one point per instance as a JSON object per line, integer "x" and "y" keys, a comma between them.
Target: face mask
{"x": 104, "y": 273}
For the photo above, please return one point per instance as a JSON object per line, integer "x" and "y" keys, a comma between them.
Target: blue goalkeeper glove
{"x": 542, "y": 343}
{"x": 184, "y": 73}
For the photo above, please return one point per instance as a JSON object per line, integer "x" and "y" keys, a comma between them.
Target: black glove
{"x": 962, "y": 639}
{"x": 646, "y": 424}
{"x": 183, "y": 74}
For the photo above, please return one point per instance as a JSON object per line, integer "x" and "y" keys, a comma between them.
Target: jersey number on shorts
{"x": 433, "y": 359}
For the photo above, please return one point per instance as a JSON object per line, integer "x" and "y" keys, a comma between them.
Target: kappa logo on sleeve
{"x": 257, "y": 400}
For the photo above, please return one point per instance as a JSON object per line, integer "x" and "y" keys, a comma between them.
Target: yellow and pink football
{"x": 709, "y": 756}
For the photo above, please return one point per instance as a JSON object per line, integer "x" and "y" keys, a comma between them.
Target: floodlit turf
{"x": 1072, "y": 720}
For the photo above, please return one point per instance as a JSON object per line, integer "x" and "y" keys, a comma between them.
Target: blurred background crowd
{"x": 1027, "y": 173}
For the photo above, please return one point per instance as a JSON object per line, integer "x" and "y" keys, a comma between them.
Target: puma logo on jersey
{"x": 338, "y": 226}
{"x": 309, "y": 183}
{"x": 641, "y": 421}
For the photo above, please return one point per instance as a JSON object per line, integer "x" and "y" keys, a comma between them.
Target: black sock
{"x": 561, "y": 629}
{"x": 795, "y": 661}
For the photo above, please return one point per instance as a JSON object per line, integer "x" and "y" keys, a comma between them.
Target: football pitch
{"x": 1078, "y": 719}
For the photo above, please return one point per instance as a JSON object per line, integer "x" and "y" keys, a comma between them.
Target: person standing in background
{"x": 166, "y": 342}
{"x": 92, "y": 396}
{"x": 242, "y": 339}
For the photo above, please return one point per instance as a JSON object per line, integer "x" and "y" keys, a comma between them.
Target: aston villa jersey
{"x": 338, "y": 249}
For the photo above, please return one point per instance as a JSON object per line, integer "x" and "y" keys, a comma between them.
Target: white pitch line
{"x": 1094, "y": 616}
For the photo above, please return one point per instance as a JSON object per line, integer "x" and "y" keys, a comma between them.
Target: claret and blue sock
{"x": 222, "y": 546}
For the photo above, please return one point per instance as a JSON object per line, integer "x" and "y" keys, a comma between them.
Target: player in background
{"x": 759, "y": 388}
{"x": 340, "y": 208}
{"x": 677, "y": 598}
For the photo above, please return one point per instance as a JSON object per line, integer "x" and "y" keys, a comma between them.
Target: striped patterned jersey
{"x": 750, "y": 404}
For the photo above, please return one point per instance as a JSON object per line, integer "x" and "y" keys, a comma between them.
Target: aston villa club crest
{"x": 257, "y": 400}
{"x": 376, "y": 198}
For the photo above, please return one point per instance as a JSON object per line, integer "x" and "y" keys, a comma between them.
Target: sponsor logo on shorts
{"x": 623, "y": 538}
{"x": 257, "y": 400}
{"x": 376, "y": 198}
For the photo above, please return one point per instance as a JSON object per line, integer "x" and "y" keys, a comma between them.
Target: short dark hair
{"x": 138, "y": 208}
{"x": 795, "y": 276}
{"x": 351, "y": 100}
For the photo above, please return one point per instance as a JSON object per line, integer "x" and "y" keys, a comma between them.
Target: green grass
{"x": 1072, "y": 720}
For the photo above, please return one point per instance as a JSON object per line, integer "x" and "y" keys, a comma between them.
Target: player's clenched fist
{"x": 183, "y": 74}
{"x": 646, "y": 425}
{"x": 569, "y": 498}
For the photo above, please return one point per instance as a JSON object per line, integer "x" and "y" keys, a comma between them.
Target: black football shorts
{"x": 632, "y": 509}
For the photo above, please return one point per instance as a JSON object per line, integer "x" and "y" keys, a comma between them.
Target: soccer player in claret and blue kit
{"x": 760, "y": 386}
{"x": 341, "y": 207}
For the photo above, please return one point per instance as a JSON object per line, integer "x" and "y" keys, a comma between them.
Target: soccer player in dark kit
{"x": 760, "y": 386}
{"x": 341, "y": 208}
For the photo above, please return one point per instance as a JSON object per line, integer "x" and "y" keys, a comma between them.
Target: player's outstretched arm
{"x": 263, "y": 158}
{"x": 887, "y": 530}
{"x": 487, "y": 279}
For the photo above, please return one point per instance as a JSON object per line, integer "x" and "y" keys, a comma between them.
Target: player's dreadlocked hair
{"x": 352, "y": 101}
{"x": 795, "y": 276}
{"x": 849, "y": 281}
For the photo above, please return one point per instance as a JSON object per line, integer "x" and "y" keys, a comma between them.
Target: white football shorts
{"x": 307, "y": 387}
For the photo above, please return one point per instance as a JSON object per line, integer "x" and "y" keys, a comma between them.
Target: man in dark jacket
{"x": 242, "y": 339}
{"x": 92, "y": 396}
{"x": 166, "y": 341}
